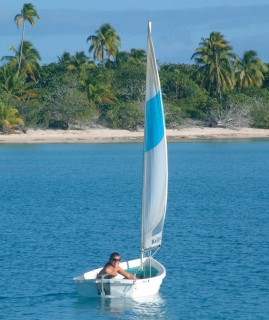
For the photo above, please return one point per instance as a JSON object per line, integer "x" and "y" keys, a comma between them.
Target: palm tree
{"x": 106, "y": 41}
{"x": 215, "y": 59}
{"x": 250, "y": 70}
{"x": 65, "y": 59}
{"x": 9, "y": 118}
{"x": 121, "y": 57}
{"x": 80, "y": 64}
{"x": 29, "y": 58}
{"x": 138, "y": 55}
{"x": 78, "y": 60}
{"x": 99, "y": 89}
{"x": 28, "y": 13}
{"x": 10, "y": 84}
{"x": 14, "y": 88}
{"x": 135, "y": 56}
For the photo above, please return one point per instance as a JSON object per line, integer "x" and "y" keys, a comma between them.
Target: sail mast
{"x": 142, "y": 224}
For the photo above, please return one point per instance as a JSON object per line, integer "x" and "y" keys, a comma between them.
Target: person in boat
{"x": 112, "y": 268}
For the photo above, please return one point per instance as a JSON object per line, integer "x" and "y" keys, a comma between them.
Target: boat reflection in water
{"x": 142, "y": 307}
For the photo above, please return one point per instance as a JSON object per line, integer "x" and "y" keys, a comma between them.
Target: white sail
{"x": 155, "y": 176}
{"x": 149, "y": 272}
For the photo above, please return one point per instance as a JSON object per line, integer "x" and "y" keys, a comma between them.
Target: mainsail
{"x": 155, "y": 175}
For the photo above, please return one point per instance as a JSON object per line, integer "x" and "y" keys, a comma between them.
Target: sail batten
{"x": 155, "y": 175}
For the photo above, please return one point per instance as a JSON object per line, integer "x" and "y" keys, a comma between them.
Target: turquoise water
{"x": 65, "y": 207}
{"x": 145, "y": 273}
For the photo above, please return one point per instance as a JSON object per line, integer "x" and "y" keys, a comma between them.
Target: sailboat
{"x": 149, "y": 272}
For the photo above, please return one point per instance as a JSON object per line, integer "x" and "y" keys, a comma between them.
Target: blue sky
{"x": 177, "y": 28}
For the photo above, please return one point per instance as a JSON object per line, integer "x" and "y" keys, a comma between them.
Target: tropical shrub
{"x": 260, "y": 113}
{"x": 9, "y": 118}
{"x": 130, "y": 82}
{"x": 174, "y": 116}
{"x": 123, "y": 115}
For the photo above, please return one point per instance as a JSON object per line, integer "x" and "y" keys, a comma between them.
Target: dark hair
{"x": 113, "y": 255}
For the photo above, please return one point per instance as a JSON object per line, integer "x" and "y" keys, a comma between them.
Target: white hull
{"x": 89, "y": 286}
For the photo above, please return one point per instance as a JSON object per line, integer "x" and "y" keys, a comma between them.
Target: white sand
{"x": 109, "y": 135}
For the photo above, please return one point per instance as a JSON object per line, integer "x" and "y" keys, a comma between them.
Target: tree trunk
{"x": 22, "y": 38}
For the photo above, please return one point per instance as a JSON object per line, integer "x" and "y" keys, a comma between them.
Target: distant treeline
{"x": 107, "y": 88}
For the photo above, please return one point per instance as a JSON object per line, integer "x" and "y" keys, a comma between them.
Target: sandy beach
{"x": 109, "y": 135}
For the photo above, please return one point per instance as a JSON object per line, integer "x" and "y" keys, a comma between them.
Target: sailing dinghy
{"x": 149, "y": 272}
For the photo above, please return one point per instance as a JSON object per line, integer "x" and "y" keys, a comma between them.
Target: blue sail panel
{"x": 154, "y": 128}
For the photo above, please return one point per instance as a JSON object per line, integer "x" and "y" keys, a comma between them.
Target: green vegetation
{"x": 108, "y": 88}
{"x": 9, "y": 117}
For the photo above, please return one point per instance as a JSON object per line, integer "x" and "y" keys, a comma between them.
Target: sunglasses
{"x": 116, "y": 259}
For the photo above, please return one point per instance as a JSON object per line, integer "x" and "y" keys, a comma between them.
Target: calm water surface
{"x": 65, "y": 207}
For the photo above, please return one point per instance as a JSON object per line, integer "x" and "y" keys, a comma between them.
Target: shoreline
{"x": 115, "y": 135}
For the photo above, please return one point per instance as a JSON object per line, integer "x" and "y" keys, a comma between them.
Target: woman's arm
{"x": 126, "y": 274}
